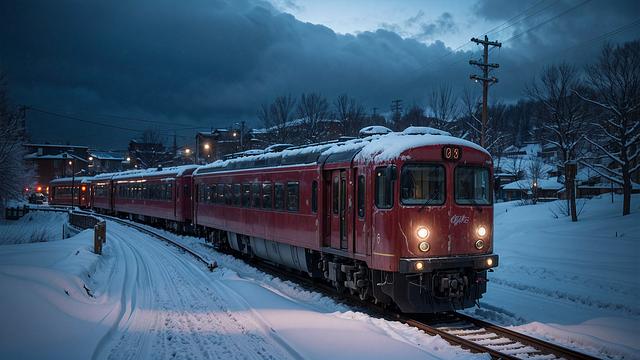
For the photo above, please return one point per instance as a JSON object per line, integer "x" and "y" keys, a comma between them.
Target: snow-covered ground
{"x": 145, "y": 299}
{"x": 574, "y": 284}
{"x": 36, "y": 226}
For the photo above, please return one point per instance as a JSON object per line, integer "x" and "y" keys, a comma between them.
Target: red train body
{"x": 70, "y": 191}
{"x": 160, "y": 195}
{"x": 403, "y": 218}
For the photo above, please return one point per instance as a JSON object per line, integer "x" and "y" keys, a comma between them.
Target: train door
{"x": 337, "y": 210}
{"x": 360, "y": 233}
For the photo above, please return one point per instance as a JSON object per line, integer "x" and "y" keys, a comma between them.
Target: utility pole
{"x": 486, "y": 81}
{"x": 242, "y": 135}
{"x": 396, "y": 108}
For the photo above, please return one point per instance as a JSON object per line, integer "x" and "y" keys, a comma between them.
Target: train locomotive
{"x": 403, "y": 219}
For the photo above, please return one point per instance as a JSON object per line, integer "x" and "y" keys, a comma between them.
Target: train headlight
{"x": 424, "y": 246}
{"x": 422, "y": 233}
{"x": 481, "y": 231}
{"x": 489, "y": 262}
{"x": 479, "y": 244}
{"x": 419, "y": 265}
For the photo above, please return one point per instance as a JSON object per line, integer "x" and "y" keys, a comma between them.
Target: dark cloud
{"x": 211, "y": 63}
{"x": 443, "y": 24}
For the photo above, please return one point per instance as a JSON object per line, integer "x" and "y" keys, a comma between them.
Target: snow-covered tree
{"x": 615, "y": 88}
{"x": 563, "y": 117}
{"x": 14, "y": 174}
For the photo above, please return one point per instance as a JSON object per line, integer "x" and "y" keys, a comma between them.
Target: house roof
{"x": 542, "y": 184}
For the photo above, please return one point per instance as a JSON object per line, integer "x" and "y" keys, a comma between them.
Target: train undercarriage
{"x": 451, "y": 285}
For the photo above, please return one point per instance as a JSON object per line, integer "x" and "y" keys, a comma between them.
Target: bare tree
{"x": 563, "y": 116}
{"x": 264, "y": 115}
{"x": 535, "y": 168}
{"x": 615, "y": 83}
{"x": 151, "y": 136}
{"x": 414, "y": 116}
{"x": 350, "y": 113}
{"x": 14, "y": 174}
{"x": 444, "y": 107}
{"x": 312, "y": 109}
{"x": 281, "y": 111}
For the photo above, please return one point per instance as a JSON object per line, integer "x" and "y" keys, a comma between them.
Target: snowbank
{"x": 36, "y": 226}
{"x": 574, "y": 283}
{"x": 46, "y": 307}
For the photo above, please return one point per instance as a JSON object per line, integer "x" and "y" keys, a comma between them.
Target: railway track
{"x": 500, "y": 343}
{"x": 458, "y": 329}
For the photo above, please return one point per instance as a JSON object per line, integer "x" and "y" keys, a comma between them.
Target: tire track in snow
{"x": 185, "y": 317}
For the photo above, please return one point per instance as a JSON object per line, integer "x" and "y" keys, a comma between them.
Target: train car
{"x": 70, "y": 191}
{"x": 402, "y": 218}
{"x": 102, "y": 196}
{"x": 160, "y": 196}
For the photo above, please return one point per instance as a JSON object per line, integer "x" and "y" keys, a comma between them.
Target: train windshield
{"x": 472, "y": 186}
{"x": 422, "y": 185}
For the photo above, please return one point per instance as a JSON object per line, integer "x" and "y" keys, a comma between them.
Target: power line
{"x": 92, "y": 122}
{"x": 546, "y": 21}
{"x": 524, "y": 18}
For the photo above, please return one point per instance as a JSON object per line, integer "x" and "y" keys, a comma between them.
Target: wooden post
{"x": 99, "y": 235}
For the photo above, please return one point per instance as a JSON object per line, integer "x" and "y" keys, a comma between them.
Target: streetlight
{"x": 73, "y": 180}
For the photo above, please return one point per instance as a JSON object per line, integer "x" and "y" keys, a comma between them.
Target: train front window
{"x": 422, "y": 184}
{"x": 472, "y": 186}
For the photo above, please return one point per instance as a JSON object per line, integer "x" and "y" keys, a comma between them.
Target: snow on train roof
{"x": 375, "y": 148}
{"x": 77, "y": 179}
{"x": 173, "y": 171}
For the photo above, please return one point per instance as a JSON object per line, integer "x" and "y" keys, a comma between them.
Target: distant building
{"x": 542, "y": 189}
{"x": 55, "y": 161}
{"x": 104, "y": 162}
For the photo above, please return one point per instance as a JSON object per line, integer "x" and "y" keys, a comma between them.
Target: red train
{"x": 402, "y": 218}
{"x": 70, "y": 191}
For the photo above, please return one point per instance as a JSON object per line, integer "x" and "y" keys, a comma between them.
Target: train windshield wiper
{"x": 428, "y": 202}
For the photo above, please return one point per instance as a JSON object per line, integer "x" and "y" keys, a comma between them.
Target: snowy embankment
{"x": 576, "y": 284}
{"x": 33, "y": 227}
{"x": 145, "y": 299}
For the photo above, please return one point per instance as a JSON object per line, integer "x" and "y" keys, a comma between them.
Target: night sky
{"x": 186, "y": 65}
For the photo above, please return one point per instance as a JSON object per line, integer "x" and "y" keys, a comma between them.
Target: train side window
{"x": 228, "y": 195}
{"x": 220, "y": 194}
{"x": 279, "y": 196}
{"x": 335, "y": 194}
{"x": 255, "y": 195}
{"x": 361, "y": 194}
{"x": 237, "y": 190}
{"x": 246, "y": 195}
{"x": 314, "y": 196}
{"x": 384, "y": 189}
{"x": 293, "y": 196}
{"x": 267, "y": 196}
